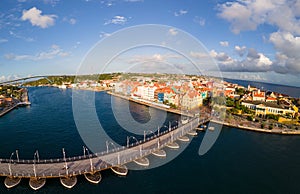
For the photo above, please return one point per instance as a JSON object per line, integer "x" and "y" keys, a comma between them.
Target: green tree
{"x": 230, "y": 102}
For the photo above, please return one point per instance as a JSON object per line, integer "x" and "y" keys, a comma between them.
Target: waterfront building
{"x": 251, "y": 88}
{"x": 159, "y": 95}
{"x": 258, "y": 95}
{"x": 265, "y": 108}
{"x": 190, "y": 100}
{"x": 271, "y": 99}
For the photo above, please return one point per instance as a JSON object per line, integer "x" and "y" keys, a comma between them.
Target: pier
{"x": 67, "y": 168}
{"x": 7, "y": 110}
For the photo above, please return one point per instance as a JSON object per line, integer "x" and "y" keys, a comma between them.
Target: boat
{"x": 37, "y": 183}
{"x": 69, "y": 181}
{"x": 184, "y": 138}
{"x": 200, "y": 129}
{"x": 142, "y": 161}
{"x": 160, "y": 153}
{"x": 211, "y": 128}
{"x": 120, "y": 170}
{"x": 10, "y": 181}
{"x": 173, "y": 145}
{"x": 93, "y": 177}
{"x": 193, "y": 133}
{"x": 184, "y": 120}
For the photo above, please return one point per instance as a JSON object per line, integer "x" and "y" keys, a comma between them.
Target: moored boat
{"x": 120, "y": 170}
{"x": 10, "y": 181}
{"x": 184, "y": 138}
{"x": 211, "y": 128}
{"x": 160, "y": 153}
{"x": 173, "y": 145}
{"x": 93, "y": 177}
{"x": 193, "y": 133}
{"x": 142, "y": 161}
{"x": 69, "y": 181}
{"x": 37, "y": 183}
{"x": 184, "y": 120}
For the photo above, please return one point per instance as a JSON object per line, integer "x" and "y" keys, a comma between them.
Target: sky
{"x": 244, "y": 39}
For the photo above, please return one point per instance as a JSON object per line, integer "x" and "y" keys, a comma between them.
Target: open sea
{"x": 239, "y": 162}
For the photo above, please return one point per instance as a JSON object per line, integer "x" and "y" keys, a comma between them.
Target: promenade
{"x": 252, "y": 126}
{"x": 15, "y": 105}
{"x": 172, "y": 110}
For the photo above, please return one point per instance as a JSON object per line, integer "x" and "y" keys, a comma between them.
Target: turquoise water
{"x": 239, "y": 162}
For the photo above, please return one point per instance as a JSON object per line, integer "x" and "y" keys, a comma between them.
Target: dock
{"x": 7, "y": 110}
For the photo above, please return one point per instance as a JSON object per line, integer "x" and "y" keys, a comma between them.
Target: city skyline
{"x": 253, "y": 40}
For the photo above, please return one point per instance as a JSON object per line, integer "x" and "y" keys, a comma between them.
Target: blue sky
{"x": 251, "y": 39}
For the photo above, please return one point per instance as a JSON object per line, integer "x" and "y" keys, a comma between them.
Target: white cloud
{"x": 238, "y": 14}
{"x": 288, "y": 55}
{"x": 173, "y": 31}
{"x": 199, "y": 20}
{"x": 253, "y": 62}
{"x": 51, "y": 2}
{"x": 28, "y": 39}
{"x": 199, "y": 55}
{"x": 241, "y": 50}
{"x": 222, "y": 57}
{"x": 180, "y": 12}
{"x": 3, "y": 40}
{"x": 247, "y": 15}
{"x": 224, "y": 43}
{"x": 76, "y": 45}
{"x": 36, "y": 18}
{"x": 53, "y": 52}
{"x": 104, "y": 34}
{"x": 9, "y": 77}
{"x": 132, "y": 1}
{"x": 71, "y": 21}
{"x": 139, "y": 59}
{"x": 120, "y": 20}
{"x": 109, "y": 3}
{"x": 282, "y": 14}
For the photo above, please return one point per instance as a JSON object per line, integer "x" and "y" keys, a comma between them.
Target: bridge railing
{"x": 173, "y": 134}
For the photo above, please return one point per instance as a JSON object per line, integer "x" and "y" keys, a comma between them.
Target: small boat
{"x": 184, "y": 138}
{"x": 10, "y": 181}
{"x": 160, "y": 153}
{"x": 93, "y": 177}
{"x": 120, "y": 170}
{"x": 142, "y": 161}
{"x": 69, "y": 181}
{"x": 173, "y": 145}
{"x": 200, "y": 129}
{"x": 37, "y": 183}
{"x": 211, "y": 128}
{"x": 193, "y": 133}
{"x": 184, "y": 121}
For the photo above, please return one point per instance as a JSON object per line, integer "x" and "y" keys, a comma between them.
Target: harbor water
{"x": 239, "y": 162}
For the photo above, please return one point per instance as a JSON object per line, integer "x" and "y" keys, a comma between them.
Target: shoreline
{"x": 259, "y": 130}
{"x": 241, "y": 127}
{"x": 4, "y": 112}
{"x": 149, "y": 104}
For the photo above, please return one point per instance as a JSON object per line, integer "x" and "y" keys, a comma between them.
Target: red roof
{"x": 193, "y": 94}
{"x": 258, "y": 94}
{"x": 271, "y": 99}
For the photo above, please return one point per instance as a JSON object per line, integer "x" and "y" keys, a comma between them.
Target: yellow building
{"x": 263, "y": 108}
